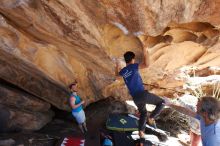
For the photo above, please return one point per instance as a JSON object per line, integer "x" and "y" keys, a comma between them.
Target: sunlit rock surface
{"x": 47, "y": 44}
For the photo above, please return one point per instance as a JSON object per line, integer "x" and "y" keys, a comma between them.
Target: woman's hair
{"x": 211, "y": 106}
{"x": 72, "y": 84}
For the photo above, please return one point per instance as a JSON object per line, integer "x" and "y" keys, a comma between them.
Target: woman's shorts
{"x": 79, "y": 116}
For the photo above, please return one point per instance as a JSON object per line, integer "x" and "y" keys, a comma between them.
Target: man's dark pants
{"x": 143, "y": 98}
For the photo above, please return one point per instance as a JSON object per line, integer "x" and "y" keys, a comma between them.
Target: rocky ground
{"x": 64, "y": 125}
{"x": 61, "y": 126}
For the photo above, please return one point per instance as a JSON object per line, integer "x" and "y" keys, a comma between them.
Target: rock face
{"x": 46, "y": 44}
{"x": 20, "y": 110}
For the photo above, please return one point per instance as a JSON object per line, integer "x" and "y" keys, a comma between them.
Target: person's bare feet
{"x": 141, "y": 134}
{"x": 152, "y": 122}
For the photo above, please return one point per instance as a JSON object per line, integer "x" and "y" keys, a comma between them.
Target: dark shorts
{"x": 143, "y": 98}
{"x": 146, "y": 97}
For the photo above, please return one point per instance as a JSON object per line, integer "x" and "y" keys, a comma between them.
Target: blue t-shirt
{"x": 77, "y": 101}
{"x": 210, "y": 134}
{"x": 132, "y": 78}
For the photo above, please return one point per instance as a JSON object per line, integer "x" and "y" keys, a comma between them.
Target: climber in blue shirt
{"x": 134, "y": 83}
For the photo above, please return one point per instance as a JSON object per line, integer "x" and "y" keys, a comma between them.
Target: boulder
{"x": 15, "y": 119}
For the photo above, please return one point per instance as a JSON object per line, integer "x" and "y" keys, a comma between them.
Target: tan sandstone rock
{"x": 47, "y": 44}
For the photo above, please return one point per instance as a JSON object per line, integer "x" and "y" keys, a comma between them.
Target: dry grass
{"x": 216, "y": 90}
{"x": 199, "y": 90}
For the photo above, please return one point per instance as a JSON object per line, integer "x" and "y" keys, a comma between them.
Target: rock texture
{"x": 20, "y": 110}
{"x": 47, "y": 44}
